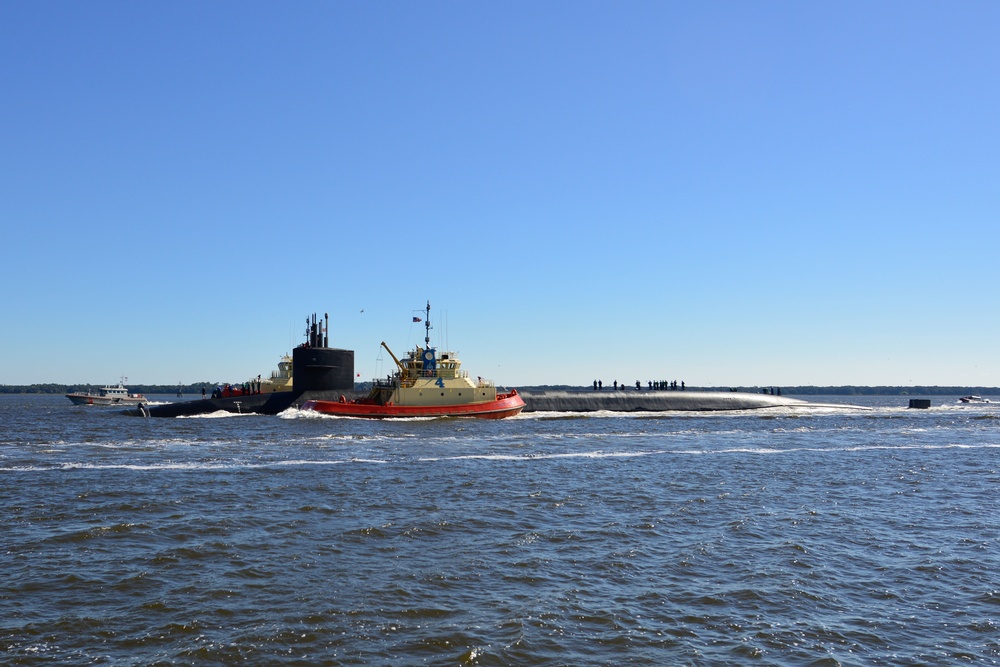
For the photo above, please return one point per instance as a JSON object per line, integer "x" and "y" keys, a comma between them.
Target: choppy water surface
{"x": 825, "y": 537}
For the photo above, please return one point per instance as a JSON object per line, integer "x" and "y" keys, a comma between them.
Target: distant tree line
{"x": 889, "y": 391}
{"x": 806, "y": 390}
{"x": 812, "y": 390}
{"x": 50, "y": 388}
{"x": 194, "y": 388}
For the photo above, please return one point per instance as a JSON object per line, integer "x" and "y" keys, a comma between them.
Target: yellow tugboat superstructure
{"x": 281, "y": 379}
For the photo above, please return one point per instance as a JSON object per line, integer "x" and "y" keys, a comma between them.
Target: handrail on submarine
{"x": 402, "y": 369}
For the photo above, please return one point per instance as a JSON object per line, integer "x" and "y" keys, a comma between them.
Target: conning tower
{"x": 318, "y": 367}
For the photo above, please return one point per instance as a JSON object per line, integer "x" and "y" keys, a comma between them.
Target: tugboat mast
{"x": 427, "y": 326}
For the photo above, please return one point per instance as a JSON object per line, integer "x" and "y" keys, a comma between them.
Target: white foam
{"x": 218, "y": 414}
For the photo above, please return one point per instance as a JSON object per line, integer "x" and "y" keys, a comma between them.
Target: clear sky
{"x": 725, "y": 193}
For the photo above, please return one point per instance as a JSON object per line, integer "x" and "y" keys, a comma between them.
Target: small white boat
{"x": 109, "y": 395}
{"x": 973, "y": 399}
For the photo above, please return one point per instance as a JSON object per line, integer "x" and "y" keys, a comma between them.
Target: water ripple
{"x": 828, "y": 539}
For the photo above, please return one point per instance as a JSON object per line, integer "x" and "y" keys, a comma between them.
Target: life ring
{"x": 343, "y": 399}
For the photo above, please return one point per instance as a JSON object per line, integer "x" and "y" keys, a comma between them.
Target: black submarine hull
{"x": 546, "y": 401}
{"x": 259, "y": 404}
{"x": 653, "y": 401}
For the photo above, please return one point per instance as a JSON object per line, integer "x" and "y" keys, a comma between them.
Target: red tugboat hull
{"x": 506, "y": 405}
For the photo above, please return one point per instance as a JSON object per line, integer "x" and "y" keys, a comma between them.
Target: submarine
{"x": 319, "y": 372}
{"x": 322, "y": 373}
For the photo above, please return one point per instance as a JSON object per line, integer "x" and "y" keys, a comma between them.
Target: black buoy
{"x": 920, "y": 403}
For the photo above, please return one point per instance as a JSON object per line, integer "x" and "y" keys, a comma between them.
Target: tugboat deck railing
{"x": 409, "y": 379}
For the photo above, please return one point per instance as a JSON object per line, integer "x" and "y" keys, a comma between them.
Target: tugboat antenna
{"x": 427, "y": 326}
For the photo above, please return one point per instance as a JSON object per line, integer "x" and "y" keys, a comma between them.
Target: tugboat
{"x": 281, "y": 379}
{"x": 108, "y": 396}
{"x": 426, "y": 384}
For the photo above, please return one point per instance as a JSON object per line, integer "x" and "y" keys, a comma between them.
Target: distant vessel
{"x": 109, "y": 395}
{"x": 426, "y": 384}
{"x": 973, "y": 399}
{"x": 281, "y": 379}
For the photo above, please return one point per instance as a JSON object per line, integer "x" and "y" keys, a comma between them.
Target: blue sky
{"x": 725, "y": 193}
